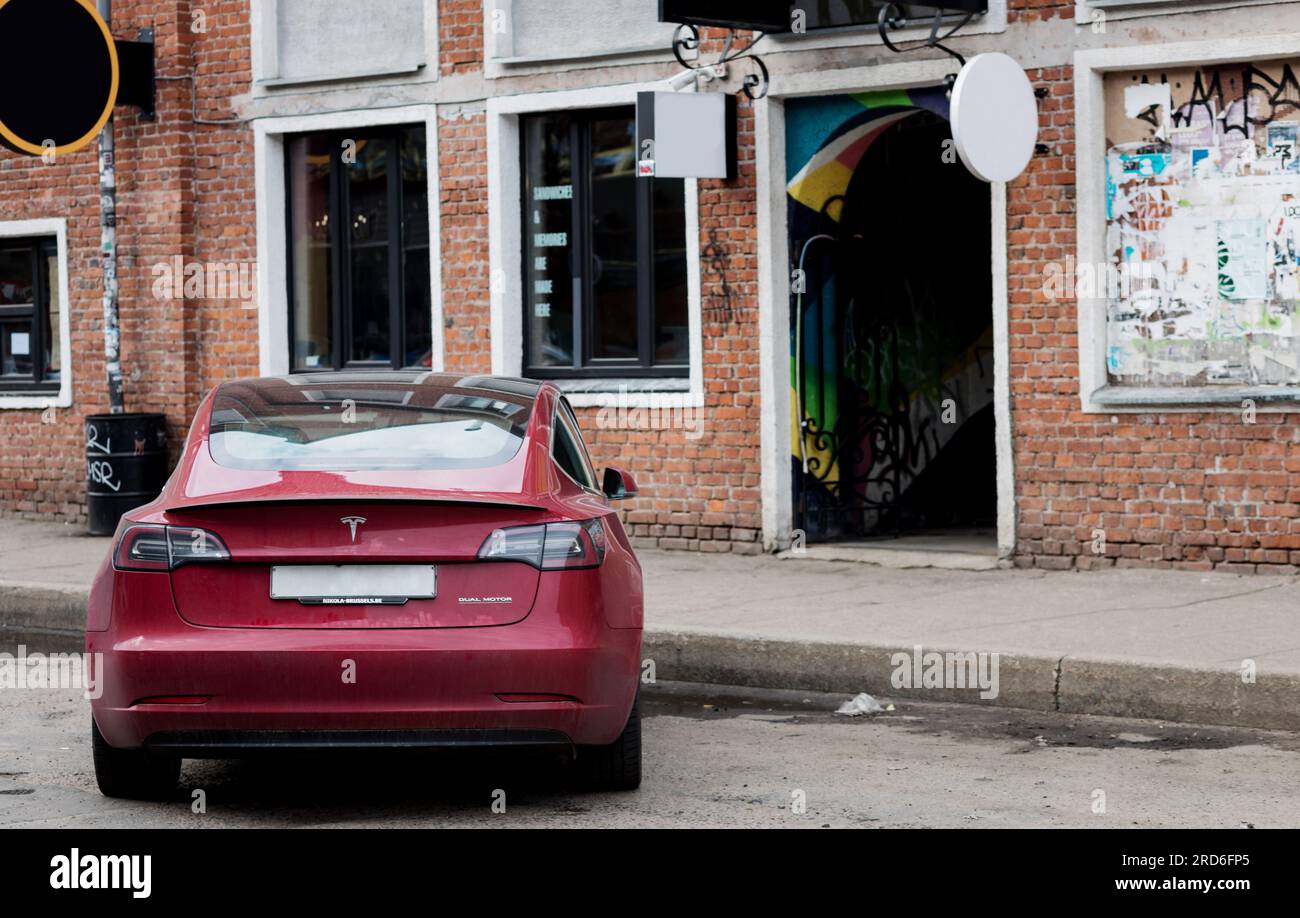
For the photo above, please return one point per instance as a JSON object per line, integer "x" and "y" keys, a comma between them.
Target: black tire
{"x": 133, "y": 774}
{"x": 616, "y": 767}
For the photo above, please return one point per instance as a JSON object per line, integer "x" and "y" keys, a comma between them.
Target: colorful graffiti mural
{"x": 869, "y": 370}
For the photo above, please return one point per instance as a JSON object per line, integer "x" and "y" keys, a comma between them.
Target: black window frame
{"x": 581, "y": 256}
{"x": 340, "y": 247}
{"x": 39, "y": 382}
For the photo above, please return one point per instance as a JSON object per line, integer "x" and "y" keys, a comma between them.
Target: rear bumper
{"x": 216, "y": 744}
{"x": 225, "y": 691}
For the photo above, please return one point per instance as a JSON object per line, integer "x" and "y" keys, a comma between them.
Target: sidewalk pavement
{"x": 1135, "y": 643}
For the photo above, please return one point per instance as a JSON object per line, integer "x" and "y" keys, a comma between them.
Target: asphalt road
{"x": 711, "y": 760}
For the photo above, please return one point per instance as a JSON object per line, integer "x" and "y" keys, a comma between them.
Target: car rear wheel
{"x": 135, "y": 774}
{"x": 618, "y": 765}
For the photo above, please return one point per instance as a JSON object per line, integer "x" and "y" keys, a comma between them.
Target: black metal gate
{"x": 855, "y": 472}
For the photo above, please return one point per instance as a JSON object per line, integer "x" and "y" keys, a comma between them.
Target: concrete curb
{"x": 39, "y": 608}
{"x": 1126, "y": 688}
{"x": 1121, "y": 688}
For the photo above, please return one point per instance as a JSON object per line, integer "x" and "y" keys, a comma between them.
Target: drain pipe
{"x": 108, "y": 251}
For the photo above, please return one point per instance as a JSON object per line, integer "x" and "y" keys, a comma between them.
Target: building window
{"x": 536, "y": 33}
{"x": 359, "y": 281}
{"x": 312, "y": 41}
{"x": 604, "y": 252}
{"x": 30, "y": 358}
{"x": 1202, "y": 227}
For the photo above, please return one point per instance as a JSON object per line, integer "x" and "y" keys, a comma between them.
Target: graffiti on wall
{"x": 826, "y": 139}
{"x": 1203, "y": 226}
{"x": 872, "y": 359}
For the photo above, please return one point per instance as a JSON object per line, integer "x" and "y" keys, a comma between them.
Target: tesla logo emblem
{"x": 353, "y": 522}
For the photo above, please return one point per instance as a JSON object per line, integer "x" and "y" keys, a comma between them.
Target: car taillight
{"x": 549, "y": 547}
{"x": 142, "y": 548}
{"x": 150, "y": 547}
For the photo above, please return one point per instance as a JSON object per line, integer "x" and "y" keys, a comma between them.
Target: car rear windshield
{"x": 279, "y": 425}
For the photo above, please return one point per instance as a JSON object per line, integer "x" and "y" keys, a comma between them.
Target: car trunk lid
{"x": 354, "y": 565}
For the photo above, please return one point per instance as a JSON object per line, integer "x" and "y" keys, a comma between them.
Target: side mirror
{"x": 618, "y": 484}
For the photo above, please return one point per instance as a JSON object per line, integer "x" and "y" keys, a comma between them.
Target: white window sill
{"x": 674, "y": 392}
{"x": 26, "y": 401}
{"x": 559, "y": 56}
{"x": 1085, "y": 11}
{"x": 326, "y": 78}
{"x": 1193, "y": 397}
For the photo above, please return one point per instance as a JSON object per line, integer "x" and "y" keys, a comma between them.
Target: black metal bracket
{"x": 891, "y": 17}
{"x": 136, "y": 84}
{"x": 755, "y": 85}
{"x": 1040, "y": 93}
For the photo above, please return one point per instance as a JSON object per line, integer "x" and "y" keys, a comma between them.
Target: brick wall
{"x": 1199, "y": 490}
{"x": 41, "y": 469}
{"x": 182, "y": 190}
{"x": 1019, "y": 11}
{"x": 225, "y": 218}
{"x": 466, "y": 284}
{"x": 463, "y": 197}
{"x": 185, "y": 187}
{"x": 460, "y": 36}
{"x": 703, "y": 493}
{"x": 696, "y": 493}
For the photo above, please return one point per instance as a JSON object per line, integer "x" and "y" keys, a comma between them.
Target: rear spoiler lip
{"x": 457, "y": 501}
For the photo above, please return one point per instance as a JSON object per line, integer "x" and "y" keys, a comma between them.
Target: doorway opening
{"x": 892, "y": 337}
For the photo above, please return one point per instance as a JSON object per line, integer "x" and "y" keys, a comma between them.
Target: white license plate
{"x": 354, "y": 584}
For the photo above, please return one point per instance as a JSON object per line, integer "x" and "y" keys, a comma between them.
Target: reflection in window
{"x": 30, "y": 308}
{"x": 604, "y": 251}
{"x": 359, "y": 222}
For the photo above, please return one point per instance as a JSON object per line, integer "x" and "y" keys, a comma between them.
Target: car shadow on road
{"x": 310, "y": 788}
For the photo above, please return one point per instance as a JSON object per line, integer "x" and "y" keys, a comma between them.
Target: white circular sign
{"x": 994, "y": 117}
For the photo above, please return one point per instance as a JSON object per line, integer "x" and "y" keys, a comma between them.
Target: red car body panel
{"x": 203, "y": 649}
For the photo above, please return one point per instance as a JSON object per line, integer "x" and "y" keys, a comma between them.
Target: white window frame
{"x": 505, "y": 255}
{"x": 1090, "y": 67}
{"x": 1119, "y": 10}
{"x": 265, "y": 53}
{"x": 497, "y": 66}
{"x": 774, "y": 286}
{"x": 58, "y": 228}
{"x": 272, "y": 230}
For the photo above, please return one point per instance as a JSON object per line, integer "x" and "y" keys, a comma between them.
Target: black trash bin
{"x": 126, "y": 465}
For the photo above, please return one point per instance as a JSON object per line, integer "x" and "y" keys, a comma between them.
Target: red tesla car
{"x": 355, "y": 560}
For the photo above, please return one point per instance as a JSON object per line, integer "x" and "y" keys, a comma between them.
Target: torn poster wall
{"x": 1203, "y": 220}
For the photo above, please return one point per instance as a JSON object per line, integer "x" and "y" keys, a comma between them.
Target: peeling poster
{"x": 1202, "y": 225}
{"x": 1243, "y": 259}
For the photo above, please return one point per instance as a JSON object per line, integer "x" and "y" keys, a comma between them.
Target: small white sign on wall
{"x": 685, "y": 135}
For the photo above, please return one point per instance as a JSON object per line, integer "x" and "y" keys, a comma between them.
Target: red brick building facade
{"x": 1081, "y": 481}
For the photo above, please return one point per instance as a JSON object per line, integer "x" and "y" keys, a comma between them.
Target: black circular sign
{"x": 58, "y": 75}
